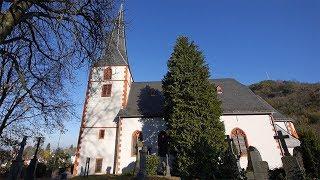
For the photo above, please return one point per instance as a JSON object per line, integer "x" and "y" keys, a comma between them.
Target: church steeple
{"x": 116, "y": 50}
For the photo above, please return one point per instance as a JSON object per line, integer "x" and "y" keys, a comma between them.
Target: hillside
{"x": 300, "y": 101}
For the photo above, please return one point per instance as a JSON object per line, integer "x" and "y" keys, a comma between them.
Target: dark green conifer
{"x": 192, "y": 112}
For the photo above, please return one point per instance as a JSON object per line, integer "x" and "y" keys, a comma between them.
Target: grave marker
{"x": 282, "y": 138}
{"x": 17, "y": 164}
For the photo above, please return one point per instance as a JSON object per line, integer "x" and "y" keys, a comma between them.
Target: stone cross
{"x": 33, "y": 163}
{"x": 86, "y": 169}
{"x": 168, "y": 174}
{"x": 229, "y": 141}
{"x": 282, "y": 138}
{"x": 17, "y": 164}
{"x": 230, "y": 147}
{"x": 138, "y": 157}
{"x": 142, "y": 170}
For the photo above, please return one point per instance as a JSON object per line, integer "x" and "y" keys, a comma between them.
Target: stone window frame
{"x": 98, "y": 165}
{"x": 102, "y": 133}
{"x": 107, "y": 73}
{"x": 219, "y": 89}
{"x": 106, "y": 90}
{"x": 135, "y": 135}
{"x": 236, "y": 132}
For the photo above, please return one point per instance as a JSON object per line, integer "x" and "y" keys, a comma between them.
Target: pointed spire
{"x": 116, "y": 50}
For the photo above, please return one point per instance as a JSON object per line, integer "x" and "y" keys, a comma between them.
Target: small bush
{"x": 277, "y": 174}
{"x": 128, "y": 173}
{"x": 152, "y": 163}
{"x": 4, "y": 170}
{"x": 41, "y": 170}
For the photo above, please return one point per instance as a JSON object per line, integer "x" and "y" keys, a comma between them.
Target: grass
{"x": 117, "y": 177}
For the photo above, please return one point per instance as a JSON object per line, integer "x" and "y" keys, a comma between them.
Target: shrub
{"x": 277, "y": 174}
{"x": 310, "y": 146}
{"x": 41, "y": 170}
{"x": 152, "y": 163}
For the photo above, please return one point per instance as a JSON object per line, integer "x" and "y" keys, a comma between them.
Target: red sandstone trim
{"x": 292, "y": 130}
{"x": 125, "y": 88}
{"x": 82, "y": 125}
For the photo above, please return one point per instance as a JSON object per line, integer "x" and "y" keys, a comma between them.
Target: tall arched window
{"x": 107, "y": 74}
{"x": 240, "y": 141}
{"x": 136, "y": 136}
{"x": 162, "y": 144}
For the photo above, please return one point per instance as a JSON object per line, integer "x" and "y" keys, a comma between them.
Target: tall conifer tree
{"x": 192, "y": 112}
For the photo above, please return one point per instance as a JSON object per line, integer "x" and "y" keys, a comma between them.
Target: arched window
{"x": 162, "y": 144}
{"x": 136, "y": 136}
{"x": 107, "y": 74}
{"x": 219, "y": 90}
{"x": 240, "y": 141}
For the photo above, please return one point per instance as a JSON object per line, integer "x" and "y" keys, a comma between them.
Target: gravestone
{"x": 31, "y": 169}
{"x": 17, "y": 164}
{"x": 86, "y": 168}
{"x": 257, "y": 168}
{"x": 297, "y": 153}
{"x": 163, "y": 153}
{"x": 291, "y": 166}
{"x": 138, "y": 157}
{"x": 167, "y": 172}
{"x": 143, "y": 159}
{"x": 233, "y": 159}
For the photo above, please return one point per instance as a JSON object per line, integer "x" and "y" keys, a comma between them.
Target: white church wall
{"x": 259, "y": 132}
{"x": 92, "y": 147}
{"x": 258, "y": 129}
{"x": 150, "y": 128}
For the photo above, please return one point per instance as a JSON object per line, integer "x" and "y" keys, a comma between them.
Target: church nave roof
{"x": 146, "y": 99}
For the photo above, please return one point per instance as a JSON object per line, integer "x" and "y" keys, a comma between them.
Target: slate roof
{"x": 146, "y": 99}
{"x": 116, "y": 51}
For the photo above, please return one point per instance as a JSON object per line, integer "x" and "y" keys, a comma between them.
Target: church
{"x": 117, "y": 110}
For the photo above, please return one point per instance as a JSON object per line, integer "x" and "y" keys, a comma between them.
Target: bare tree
{"x": 42, "y": 42}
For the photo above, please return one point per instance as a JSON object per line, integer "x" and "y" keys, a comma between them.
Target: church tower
{"x": 107, "y": 92}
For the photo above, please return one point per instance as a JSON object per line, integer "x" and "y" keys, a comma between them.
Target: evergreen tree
{"x": 192, "y": 113}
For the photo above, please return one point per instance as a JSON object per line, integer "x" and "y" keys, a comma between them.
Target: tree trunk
{"x": 11, "y": 18}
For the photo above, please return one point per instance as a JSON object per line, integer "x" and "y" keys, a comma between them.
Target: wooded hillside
{"x": 300, "y": 101}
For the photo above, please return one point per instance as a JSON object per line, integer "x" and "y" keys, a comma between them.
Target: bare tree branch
{"x": 41, "y": 43}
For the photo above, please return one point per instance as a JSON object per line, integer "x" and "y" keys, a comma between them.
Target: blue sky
{"x": 244, "y": 39}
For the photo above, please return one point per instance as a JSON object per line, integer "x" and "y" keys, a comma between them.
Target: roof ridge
{"x": 209, "y": 79}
